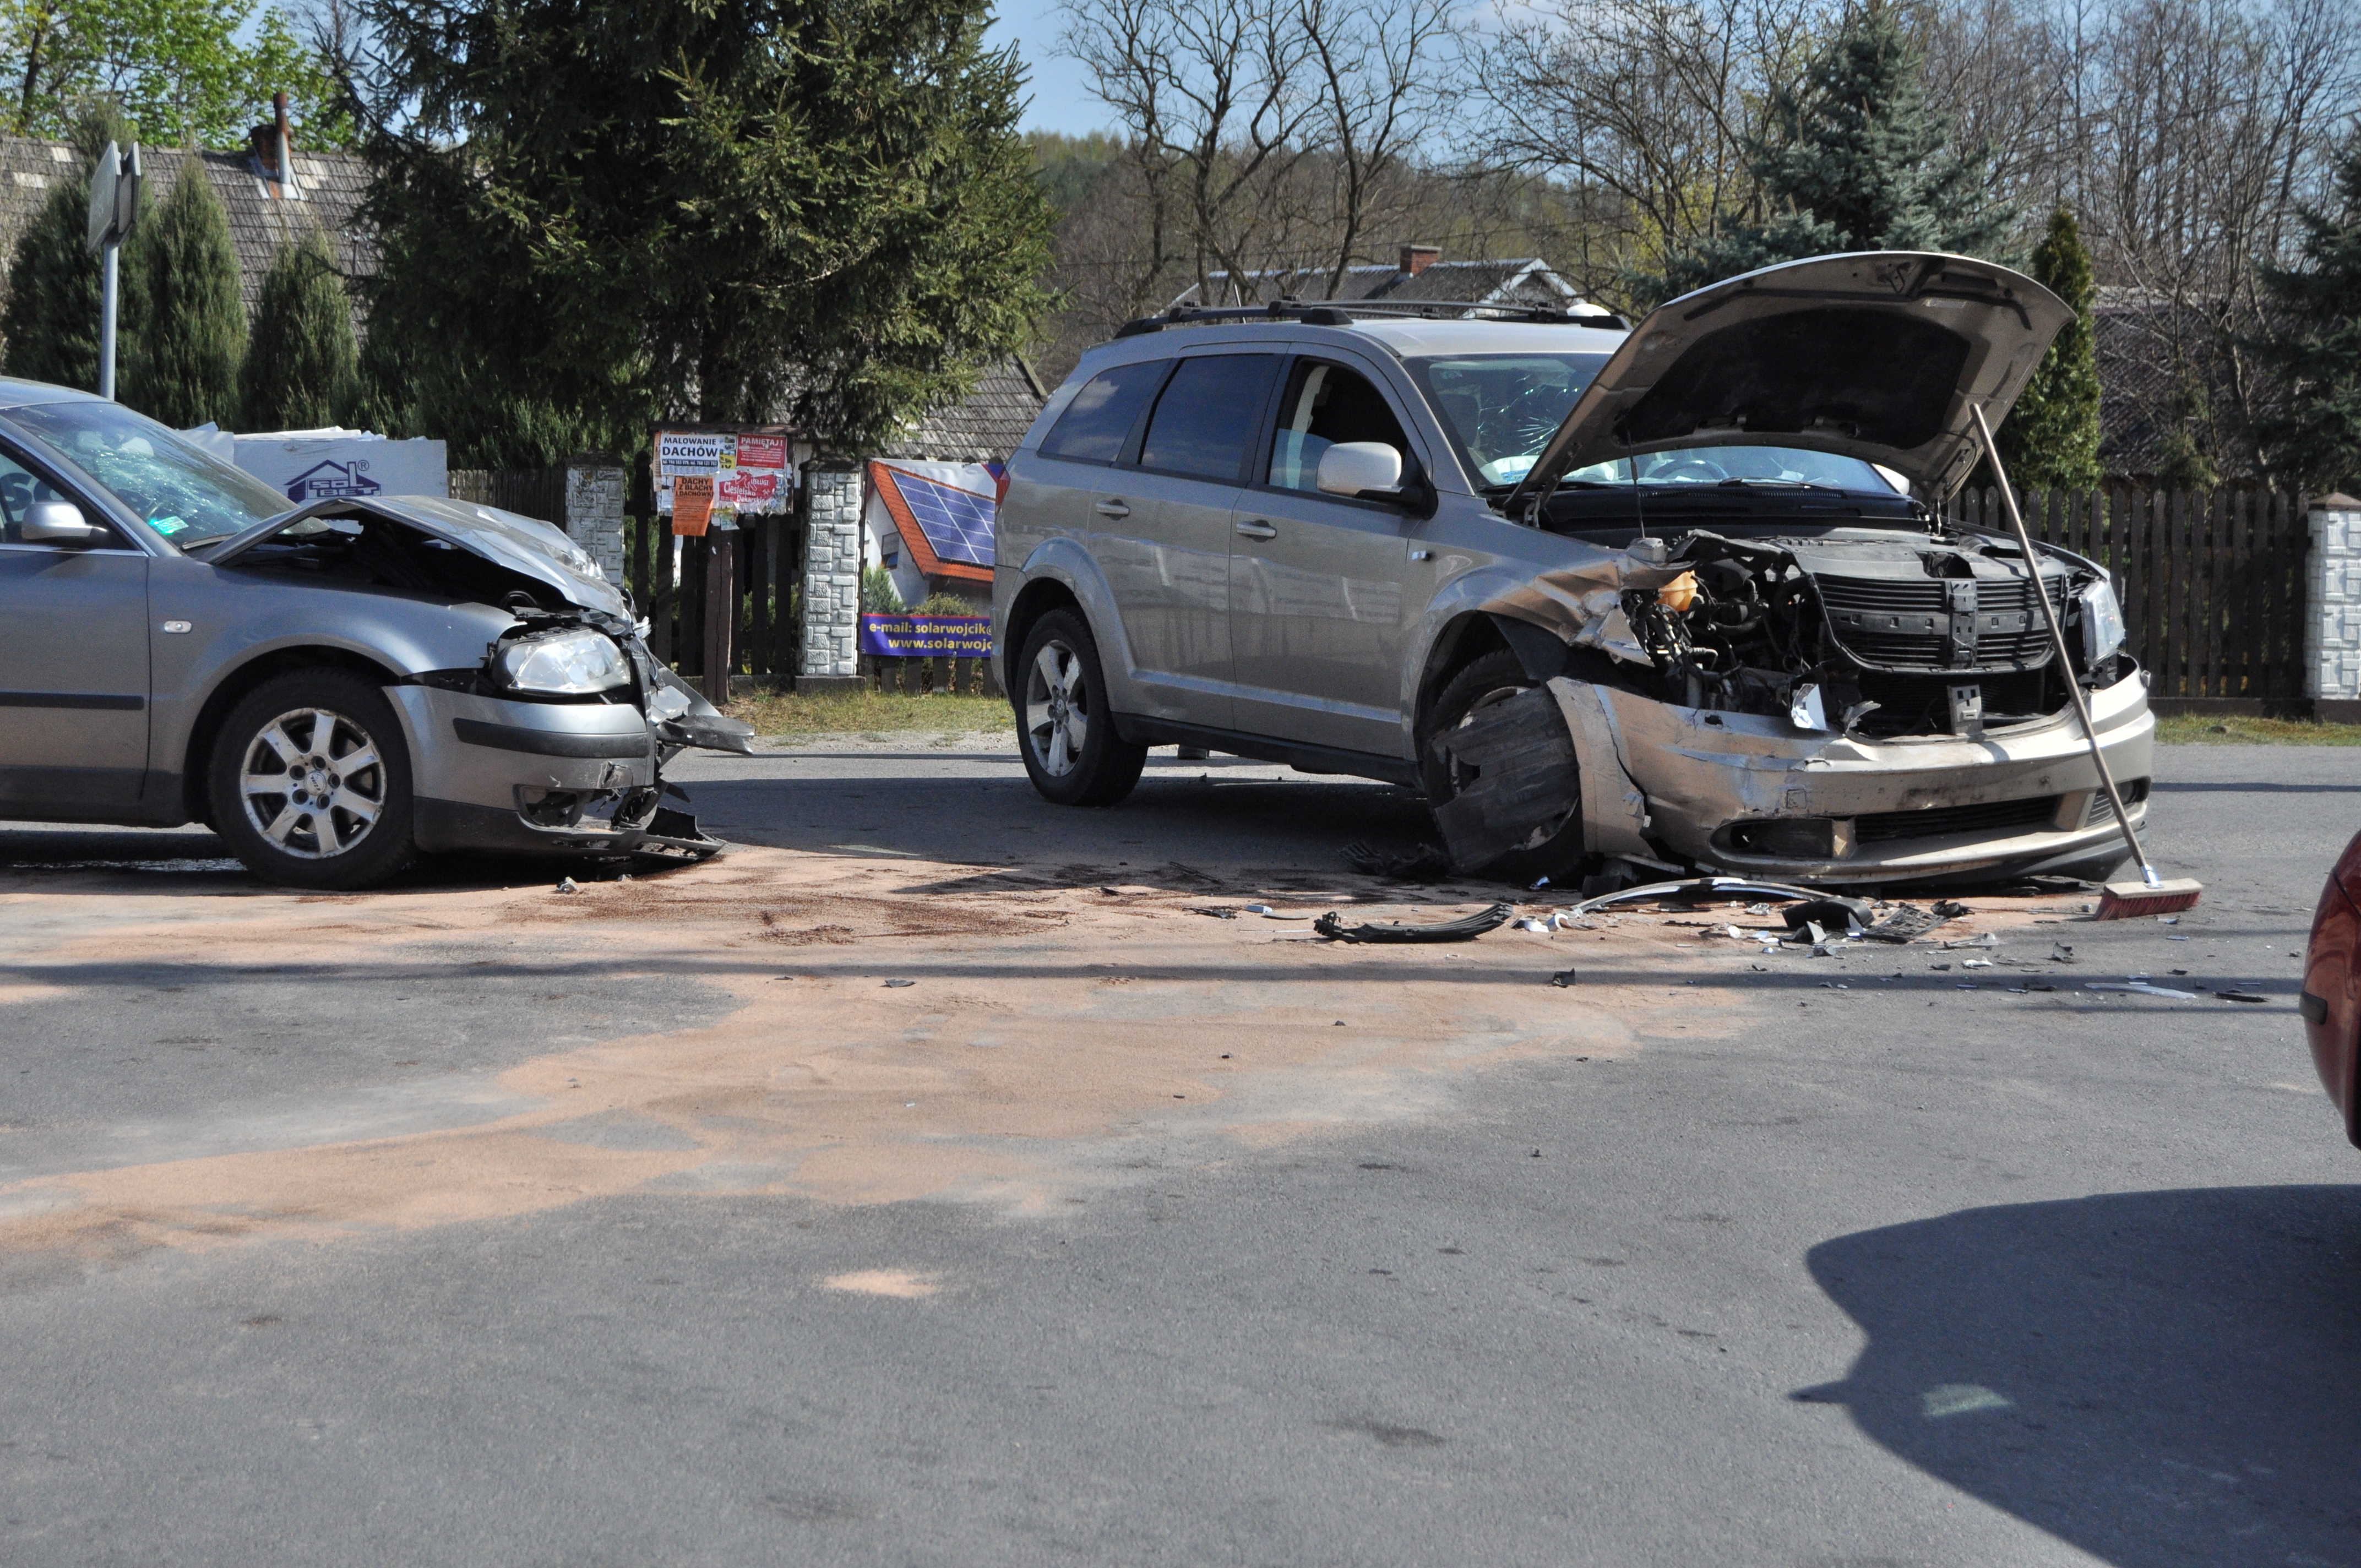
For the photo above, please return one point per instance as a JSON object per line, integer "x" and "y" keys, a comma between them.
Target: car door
{"x": 73, "y": 663}
{"x": 1316, "y": 581}
{"x": 1164, "y": 540}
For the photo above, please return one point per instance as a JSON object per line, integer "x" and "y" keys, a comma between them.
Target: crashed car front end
{"x": 1847, "y": 706}
{"x": 539, "y": 721}
{"x": 1808, "y": 681}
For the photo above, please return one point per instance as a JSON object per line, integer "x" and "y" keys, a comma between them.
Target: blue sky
{"x": 1061, "y": 98}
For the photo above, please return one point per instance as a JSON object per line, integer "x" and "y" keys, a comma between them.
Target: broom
{"x": 2152, "y": 894}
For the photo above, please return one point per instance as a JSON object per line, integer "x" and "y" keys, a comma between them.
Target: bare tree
{"x": 1216, "y": 101}
{"x": 1380, "y": 95}
{"x": 1653, "y": 105}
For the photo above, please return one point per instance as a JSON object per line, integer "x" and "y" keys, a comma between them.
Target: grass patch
{"x": 2237, "y": 730}
{"x": 792, "y": 715}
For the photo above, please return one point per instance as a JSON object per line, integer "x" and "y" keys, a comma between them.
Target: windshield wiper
{"x": 1779, "y": 484}
{"x": 206, "y": 543}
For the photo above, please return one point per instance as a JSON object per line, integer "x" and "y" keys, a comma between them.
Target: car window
{"x": 1096, "y": 424}
{"x": 20, "y": 488}
{"x": 1754, "y": 464}
{"x": 1206, "y": 418}
{"x": 184, "y": 493}
{"x": 1325, "y": 404}
{"x": 1502, "y": 409}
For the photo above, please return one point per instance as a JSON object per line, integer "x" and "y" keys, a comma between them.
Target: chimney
{"x": 1417, "y": 258}
{"x": 286, "y": 155}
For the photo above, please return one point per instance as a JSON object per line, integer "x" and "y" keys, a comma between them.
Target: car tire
{"x": 1065, "y": 727}
{"x": 335, "y": 826}
{"x": 1488, "y": 679}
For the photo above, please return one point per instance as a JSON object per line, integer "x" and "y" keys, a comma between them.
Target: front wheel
{"x": 1064, "y": 726}
{"x": 310, "y": 781}
{"x": 1555, "y": 849}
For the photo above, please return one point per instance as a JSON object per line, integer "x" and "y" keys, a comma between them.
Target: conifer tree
{"x": 184, "y": 307}
{"x": 302, "y": 362}
{"x": 51, "y": 324}
{"x": 1860, "y": 160}
{"x": 2050, "y": 439}
{"x": 2316, "y": 347}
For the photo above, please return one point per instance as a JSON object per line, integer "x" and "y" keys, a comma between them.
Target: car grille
{"x": 1995, "y": 817}
{"x": 1908, "y": 624}
{"x": 1921, "y": 705}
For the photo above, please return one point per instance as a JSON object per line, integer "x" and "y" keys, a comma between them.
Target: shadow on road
{"x": 2157, "y": 1377}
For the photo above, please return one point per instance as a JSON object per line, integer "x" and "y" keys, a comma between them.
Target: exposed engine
{"x": 1875, "y": 636}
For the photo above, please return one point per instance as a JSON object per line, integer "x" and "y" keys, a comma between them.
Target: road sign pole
{"x": 106, "y": 325}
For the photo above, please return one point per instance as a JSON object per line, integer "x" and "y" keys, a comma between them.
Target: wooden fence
{"x": 2212, "y": 585}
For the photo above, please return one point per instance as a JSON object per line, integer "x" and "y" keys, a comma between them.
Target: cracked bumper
{"x": 1695, "y": 784}
{"x": 484, "y": 770}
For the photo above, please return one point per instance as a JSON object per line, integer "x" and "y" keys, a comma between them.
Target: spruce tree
{"x": 302, "y": 362}
{"x": 1858, "y": 160}
{"x": 2050, "y": 439}
{"x": 51, "y": 324}
{"x": 2315, "y": 347}
{"x": 188, "y": 329}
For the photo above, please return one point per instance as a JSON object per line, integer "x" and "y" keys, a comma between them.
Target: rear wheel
{"x": 1063, "y": 724}
{"x": 1495, "y": 677}
{"x": 310, "y": 781}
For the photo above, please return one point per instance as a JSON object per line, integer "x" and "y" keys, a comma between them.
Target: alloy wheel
{"x": 312, "y": 783}
{"x": 1057, "y": 709}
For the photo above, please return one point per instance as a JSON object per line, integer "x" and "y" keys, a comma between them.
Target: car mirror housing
{"x": 1354, "y": 467}
{"x": 57, "y": 523}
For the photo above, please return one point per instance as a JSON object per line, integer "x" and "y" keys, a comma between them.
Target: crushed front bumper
{"x": 538, "y": 778}
{"x": 1757, "y": 796}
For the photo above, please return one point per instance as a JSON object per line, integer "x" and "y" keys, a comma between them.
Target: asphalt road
{"x": 1897, "y": 1273}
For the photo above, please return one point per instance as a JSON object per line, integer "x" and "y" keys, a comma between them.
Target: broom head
{"x": 2137, "y": 900}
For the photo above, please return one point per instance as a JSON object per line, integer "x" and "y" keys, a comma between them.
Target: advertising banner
{"x": 927, "y": 636}
{"x": 748, "y": 474}
{"x": 692, "y": 503}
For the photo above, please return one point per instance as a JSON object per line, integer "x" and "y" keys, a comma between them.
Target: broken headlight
{"x": 560, "y": 663}
{"x": 2102, "y": 623}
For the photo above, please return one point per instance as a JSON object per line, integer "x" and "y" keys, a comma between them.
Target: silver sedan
{"x": 335, "y": 688}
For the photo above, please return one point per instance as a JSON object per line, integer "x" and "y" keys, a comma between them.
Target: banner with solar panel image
{"x": 930, "y": 525}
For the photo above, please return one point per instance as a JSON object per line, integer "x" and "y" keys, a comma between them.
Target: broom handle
{"x": 2058, "y": 641}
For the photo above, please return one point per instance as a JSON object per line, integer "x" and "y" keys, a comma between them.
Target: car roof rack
{"x": 1343, "y": 312}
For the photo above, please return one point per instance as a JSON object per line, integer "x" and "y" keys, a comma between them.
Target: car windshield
{"x": 187, "y": 495}
{"x": 1502, "y": 409}
{"x": 1744, "y": 464}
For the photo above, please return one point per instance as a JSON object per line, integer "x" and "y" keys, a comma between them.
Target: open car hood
{"x": 1877, "y": 354}
{"x": 524, "y": 545}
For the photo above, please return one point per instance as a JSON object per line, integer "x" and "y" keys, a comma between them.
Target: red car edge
{"x": 2331, "y": 1003}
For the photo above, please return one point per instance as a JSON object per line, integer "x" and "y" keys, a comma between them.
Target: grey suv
{"x": 1675, "y": 598}
{"x": 333, "y": 687}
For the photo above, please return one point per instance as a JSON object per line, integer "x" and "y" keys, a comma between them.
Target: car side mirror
{"x": 57, "y": 523}
{"x": 1354, "y": 467}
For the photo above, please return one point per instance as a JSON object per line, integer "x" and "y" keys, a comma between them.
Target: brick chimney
{"x": 1417, "y": 258}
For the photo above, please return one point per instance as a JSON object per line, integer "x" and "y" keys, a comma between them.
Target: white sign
{"x": 314, "y": 468}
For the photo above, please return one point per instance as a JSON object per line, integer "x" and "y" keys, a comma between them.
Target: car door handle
{"x": 1112, "y": 509}
{"x": 1257, "y": 529}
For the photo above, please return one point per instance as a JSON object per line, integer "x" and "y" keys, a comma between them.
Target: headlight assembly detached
{"x": 561, "y": 664}
{"x": 2103, "y": 622}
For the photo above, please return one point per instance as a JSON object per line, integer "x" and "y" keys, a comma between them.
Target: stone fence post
{"x": 831, "y": 653}
{"x": 596, "y": 488}
{"x": 2331, "y": 621}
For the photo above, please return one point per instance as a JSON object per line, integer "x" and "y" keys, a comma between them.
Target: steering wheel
{"x": 1689, "y": 471}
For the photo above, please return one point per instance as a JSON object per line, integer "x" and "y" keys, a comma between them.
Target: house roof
{"x": 330, "y": 186}
{"x": 984, "y": 426}
{"x": 904, "y": 494}
{"x": 1525, "y": 280}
